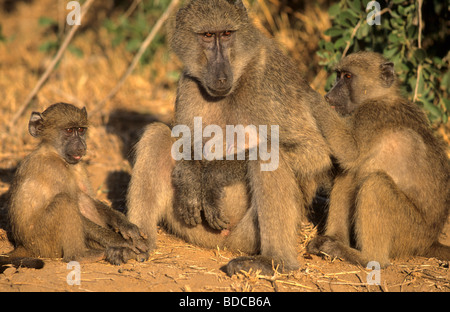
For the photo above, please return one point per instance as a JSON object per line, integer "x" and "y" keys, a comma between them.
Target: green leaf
{"x": 445, "y": 82}
{"x": 389, "y": 53}
{"x": 330, "y": 81}
{"x": 329, "y": 46}
{"x": 340, "y": 43}
{"x": 393, "y": 37}
{"x": 75, "y": 51}
{"x": 420, "y": 55}
{"x": 46, "y": 21}
{"x": 347, "y": 19}
{"x": 334, "y": 32}
{"x": 2, "y": 37}
{"x": 431, "y": 109}
{"x": 173, "y": 75}
{"x": 48, "y": 46}
{"x": 334, "y": 10}
{"x": 411, "y": 31}
{"x": 363, "y": 31}
{"x": 355, "y": 5}
{"x": 446, "y": 103}
{"x": 421, "y": 84}
{"x": 394, "y": 14}
{"x": 133, "y": 44}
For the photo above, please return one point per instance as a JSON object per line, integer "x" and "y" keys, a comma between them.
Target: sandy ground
{"x": 175, "y": 266}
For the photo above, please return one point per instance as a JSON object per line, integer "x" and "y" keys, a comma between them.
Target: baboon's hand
{"x": 188, "y": 208}
{"x": 325, "y": 245}
{"x": 216, "y": 219}
{"x": 129, "y": 231}
{"x": 120, "y": 255}
{"x": 134, "y": 238}
{"x": 187, "y": 196}
{"x": 213, "y": 211}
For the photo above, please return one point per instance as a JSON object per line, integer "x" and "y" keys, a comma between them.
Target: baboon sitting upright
{"x": 392, "y": 199}
{"x": 233, "y": 75}
{"x": 52, "y": 210}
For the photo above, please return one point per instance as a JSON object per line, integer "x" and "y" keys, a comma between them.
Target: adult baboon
{"x": 233, "y": 75}
{"x": 392, "y": 199}
{"x": 52, "y": 211}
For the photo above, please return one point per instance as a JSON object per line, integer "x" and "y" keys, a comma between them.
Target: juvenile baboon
{"x": 52, "y": 210}
{"x": 392, "y": 198}
{"x": 233, "y": 75}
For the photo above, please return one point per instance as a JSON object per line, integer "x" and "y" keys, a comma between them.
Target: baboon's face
{"x": 340, "y": 97}
{"x": 64, "y": 127}
{"x": 211, "y": 39}
{"x": 72, "y": 145}
{"x": 360, "y": 77}
{"x": 217, "y": 76}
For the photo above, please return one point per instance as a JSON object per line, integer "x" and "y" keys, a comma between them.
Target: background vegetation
{"x": 414, "y": 35}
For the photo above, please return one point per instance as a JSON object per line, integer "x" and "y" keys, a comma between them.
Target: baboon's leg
{"x": 117, "y": 249}
{"x": 150, "y": 194}
{"x": 341, "y": 205}
{"x": 438, "y": 250}
{"x": 58, "y": 230}
{"x": 277, "y": 201}
{"x": 386, "y": 224}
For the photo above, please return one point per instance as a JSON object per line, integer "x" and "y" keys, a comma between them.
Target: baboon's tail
{"x": 19, "y": 258}
{"x": 33, "y": 263}
{"x": 439, "y": 251}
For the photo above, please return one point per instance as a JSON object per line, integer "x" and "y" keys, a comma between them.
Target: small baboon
{"x": 393, "y": 195}
{"x": 52, "y": 210}
{"x": 233, "y": 75}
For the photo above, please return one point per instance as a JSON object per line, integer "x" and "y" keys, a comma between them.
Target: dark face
{"x": 72, "y": 144}
{"x": 218, "y": 75}
{"x": 215, "y": 41}
{"x": 340, "y": 97}
{"x": 64, "y": 127}
{"x": 361, "y": 77}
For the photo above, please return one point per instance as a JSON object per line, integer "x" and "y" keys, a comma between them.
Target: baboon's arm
{"x": 337, "y": 133}
{"x": 117, "y": 221}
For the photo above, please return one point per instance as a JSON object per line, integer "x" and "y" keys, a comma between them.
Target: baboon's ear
{"x": 84, "y": 111}
{"x": 387, "y": 74}
{"x": 237, "y": 3}
{"x": 35, "y": 124}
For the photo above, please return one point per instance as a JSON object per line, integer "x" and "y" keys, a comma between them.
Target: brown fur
{"x": 52, "y": 210}
{"x": 248, "y": 81}
{"x": 392, "y": 199}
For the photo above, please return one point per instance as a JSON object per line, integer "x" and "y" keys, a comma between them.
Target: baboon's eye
{"x": 81, "y": 130}
{"x": 348, "y": 76}
{"x": 208, "y": 35}
{"x": 226, "y": 33}
{"x": 69, "y": 130}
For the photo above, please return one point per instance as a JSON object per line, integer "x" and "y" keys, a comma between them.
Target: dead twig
{"x": 419, "y": 45}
